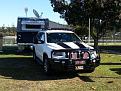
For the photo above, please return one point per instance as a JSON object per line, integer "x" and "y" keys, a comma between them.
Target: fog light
{"x": 70, "y": 60}
{"x": 63, "y": 62}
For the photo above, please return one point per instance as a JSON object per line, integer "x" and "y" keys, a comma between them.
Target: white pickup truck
{"x": 63, "y": 50}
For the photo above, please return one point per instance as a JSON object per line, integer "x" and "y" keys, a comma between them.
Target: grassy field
{"x": 20, "y": 73}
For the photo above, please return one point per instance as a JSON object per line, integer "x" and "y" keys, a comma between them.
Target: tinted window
{"x": 61, "y": 37}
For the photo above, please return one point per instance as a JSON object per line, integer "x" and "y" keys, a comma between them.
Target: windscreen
{"x": 61, "y": 37}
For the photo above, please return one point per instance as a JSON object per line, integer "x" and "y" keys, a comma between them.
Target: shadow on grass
{"x": 24, "y": 68}
{"x": 116, "y": 70}
{"x": 85, "y": 78}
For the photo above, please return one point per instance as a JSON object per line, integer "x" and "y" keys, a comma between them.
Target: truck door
{"x": 40, "y": 46}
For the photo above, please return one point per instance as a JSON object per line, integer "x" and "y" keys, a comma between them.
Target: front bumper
{"x": 75, "y": 60}
{"x": 74, "y": 65}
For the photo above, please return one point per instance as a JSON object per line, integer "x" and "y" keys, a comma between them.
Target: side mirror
{"x": 35, "y": 40}
{"x": 40, "y": 41}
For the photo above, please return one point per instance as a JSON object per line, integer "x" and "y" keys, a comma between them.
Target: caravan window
{"x": 33, "y": 26}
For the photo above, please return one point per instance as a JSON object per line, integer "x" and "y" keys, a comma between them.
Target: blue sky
{"x": 11, "y": 9}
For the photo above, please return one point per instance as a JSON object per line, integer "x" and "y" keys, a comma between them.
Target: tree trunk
{"x": 96, "y": 43}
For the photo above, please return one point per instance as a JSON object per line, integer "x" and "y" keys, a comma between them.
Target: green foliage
{"x": 79, "y": 11}
{"x": 1, "y": 35}
{"x": 8, "y": 31}
{"x": 103, "y": 14}
{"x": 81, "y": 30}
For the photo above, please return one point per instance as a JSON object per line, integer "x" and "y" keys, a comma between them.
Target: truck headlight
{"x": 58, "y": 55}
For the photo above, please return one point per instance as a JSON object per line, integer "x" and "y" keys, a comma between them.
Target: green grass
{"x": 20, "y": 73}
{"x": 110, "y": 44}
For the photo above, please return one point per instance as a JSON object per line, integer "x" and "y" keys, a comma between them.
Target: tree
{"x": 8, "y": 31}
{"x": 103, "y": 14}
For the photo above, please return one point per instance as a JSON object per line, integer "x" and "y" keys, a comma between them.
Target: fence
{"x": 1, "y": 43}
{"x": 104, "y": 42}
{"x": 11, "y": 41}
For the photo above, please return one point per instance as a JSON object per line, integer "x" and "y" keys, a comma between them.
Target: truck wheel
{"x": 46, "y": 66}
{"x": 34, "y": 56}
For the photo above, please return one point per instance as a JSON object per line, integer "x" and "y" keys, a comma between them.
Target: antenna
{"x": 26, "y": 11}
{"x": 36, "y": 13}
{"x": 41, "y": 14}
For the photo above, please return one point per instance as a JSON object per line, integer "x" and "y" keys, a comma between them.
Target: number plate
{"x": 79, "y": 67}
{"x": 79, "y": 62}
